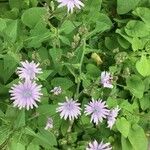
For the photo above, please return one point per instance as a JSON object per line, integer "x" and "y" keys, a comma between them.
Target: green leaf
{"x": 123, "y": 126}
{"x": 56, "y": 54}
{"x": 143, "y": 13}
{"x": 33, "y": 146}
{"x": 15, "y": 145}
{"x": 12, "y": 59}
{"x": 138, "y": 138}
{"x": 38, "y": 35}
{"x": 67, "y": 27}
{"x": 43, "y": 76}
{"x": 92, "y": 70}
{"x": 36, "y": 12}
{"x": 145, "y": 102}
{"x": 126, "y": 145}
{"x": 4, "y": 133}
{"x": 44, "y": 137}
{"x": 64, "y": 83}
{"x": 12, "y": 30}
{"x": 137, "y": 44}
{"x": 20, "y": 120}
{"x": 2, "y": 24}
{"x": 136, "y": 86}
{"x": 124, "y": 6}
{"x": 143, "y": 66}
{"x": 135, "y": 28}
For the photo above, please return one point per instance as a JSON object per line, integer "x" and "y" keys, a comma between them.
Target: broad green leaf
{"x": 135, "y": 28}
{"x": 4, "y": 133}
{"x": 12, "y": 30}
{"x": 38, "y": 35}
{"x": 33, "y": 146}
{"x": 126, "y": 145}
{"x": 2, "y": 24}
{"x": 20, "y": 120}
{"x": 44, "y": 75}
{"x": 56, "y": 54}
{"x": 138, "y": 138}
{"x": 145, "y": 102}
{"x": 37, "y": 13}
{"x": 137, "y": 44}
{"x": 64, "y": 83}
{"x": 123, "y": 126}
{"x": 143, "y": 13}
{"x": 143, "y": 66}
{"x": 12, "y": 59}
{"x": 15, "y": 145}
{"x": 124, "y": 6}
{"x": 92, "y": 70}
{"x": 67, "y": 27}
{"x": 44, "y": 137}
{"x": 136, "y": 86}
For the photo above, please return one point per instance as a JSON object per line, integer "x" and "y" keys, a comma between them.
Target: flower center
{"x": 69, "y": 106}
{"x": 27, "y": 94}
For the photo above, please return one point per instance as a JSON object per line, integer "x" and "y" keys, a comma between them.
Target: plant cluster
{"x": 75, "y": 74}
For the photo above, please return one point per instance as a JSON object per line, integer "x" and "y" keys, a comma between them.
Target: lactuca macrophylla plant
{"x": 89, "y": 51}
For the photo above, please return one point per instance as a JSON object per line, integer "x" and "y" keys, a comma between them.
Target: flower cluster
{"x": 71, "y": 4}
{"x": 96, "y": 108}
{"x": 27, "y": 92}
{"x": 106, "y": 79}
{"x": 98, "y": 146}
{"x": 113, "y": 113}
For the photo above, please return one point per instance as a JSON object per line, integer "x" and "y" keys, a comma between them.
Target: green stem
{"x": 80, "y": 67}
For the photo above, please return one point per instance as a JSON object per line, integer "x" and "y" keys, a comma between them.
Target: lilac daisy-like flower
{"x": 25, "y": 94}
{"x": 96, "y": 146}
{"x": 70, "y": 4}
{"x": 28, "y": 70}
{"x": 97, "y": 109}
{"x": 49, "y": 124}
{"x": 56, "y": 90}
{"x": 106, "y": 79}
{"x": 113, "y": 113}
{"x": 69, "y": 109}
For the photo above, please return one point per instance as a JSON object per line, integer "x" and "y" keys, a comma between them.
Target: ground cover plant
{"x": 74, "y": 74}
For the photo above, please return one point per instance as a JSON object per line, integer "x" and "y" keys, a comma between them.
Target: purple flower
{"x": 106, "y": 79}
{"x": 96, "y": 146}
{"x": 28, "y": 70}
{"x": 97, "y": 109}
{"x": 56, "y": 90}
{"x": 25, "y": 94}
{"x": 69, "y": 109}
{"x": 113, "y": 113}
{"x": 49, "y": 124}
{"x": 70, "y": 4}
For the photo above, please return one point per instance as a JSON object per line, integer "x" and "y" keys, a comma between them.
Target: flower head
{"x": 96, "y": 146}
{"x": 25, "y": 94}
{"x": 106, "y": 79}
{"x": 56, "y": 90}
{"x": 28, "y": 70}
{"x": 49, "y": 123}
{"x": 70, "y": 4}
{"x": 69, "y": 109}
{"x": 112, "y": 117}
{"x": 97, "y": 109}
